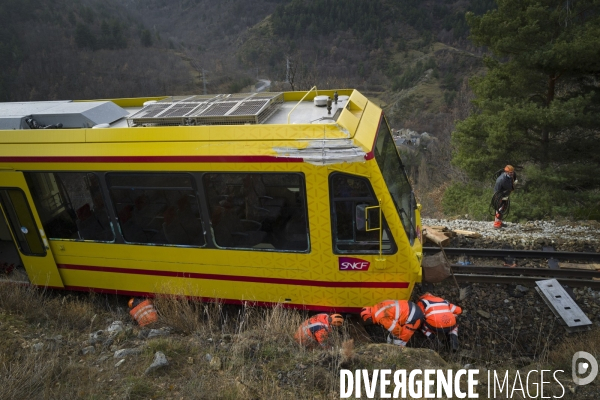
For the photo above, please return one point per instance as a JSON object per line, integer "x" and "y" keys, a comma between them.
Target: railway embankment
{"x": 532, "y": 235}
{"x": 65, "y": 345}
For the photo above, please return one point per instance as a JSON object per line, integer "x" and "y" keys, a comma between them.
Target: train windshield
{"x": 395, "y": 177}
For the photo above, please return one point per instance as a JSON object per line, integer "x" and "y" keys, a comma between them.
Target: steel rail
{"x": 540, "y": 272}
{"x": 523, "y": 280}
{"x": 560, "y": 255}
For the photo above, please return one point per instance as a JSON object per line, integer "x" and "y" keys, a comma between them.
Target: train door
{"x": 26, "y": 230}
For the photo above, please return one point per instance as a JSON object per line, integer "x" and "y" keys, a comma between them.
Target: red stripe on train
{"x": 153, "y": 159}
{"x": 234, "y": 278}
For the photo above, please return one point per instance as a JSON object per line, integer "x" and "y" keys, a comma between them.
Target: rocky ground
{"x": 502, "y": 321}
{"x": 533, "y": 235}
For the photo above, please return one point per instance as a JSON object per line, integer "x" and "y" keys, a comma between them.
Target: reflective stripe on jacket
{"x": 400, "y": 317}
{"x": 314, "y": 330}
{"x": 438, "y": 312}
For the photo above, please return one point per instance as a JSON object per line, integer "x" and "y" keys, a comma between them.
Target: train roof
{"x": 289, "y": 121}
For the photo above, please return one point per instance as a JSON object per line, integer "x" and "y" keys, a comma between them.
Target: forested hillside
{"x": 86, "y": 49}
{"x": 61, "y": 49}
{"x": 537, "y": 107}
{"x": 414, "y": 58}
{"x": 411, "y": 57}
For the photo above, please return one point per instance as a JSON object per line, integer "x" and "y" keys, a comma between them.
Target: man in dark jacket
{"x": 504, "y": 186}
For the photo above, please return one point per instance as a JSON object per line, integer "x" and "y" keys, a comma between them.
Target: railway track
{"x": 559, "y": 255}
{"x": 520, "y": 275}
{"x": 525, "y": 276}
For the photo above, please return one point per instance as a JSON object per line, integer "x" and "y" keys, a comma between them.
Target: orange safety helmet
{"x": 336, "y": 320}
{"x": 130, "y": 304}
{"x": 366, "y": 314}
{"x": 509, "y": 168}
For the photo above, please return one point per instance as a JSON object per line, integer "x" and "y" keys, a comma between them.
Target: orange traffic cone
{"x": 143, "y": 312}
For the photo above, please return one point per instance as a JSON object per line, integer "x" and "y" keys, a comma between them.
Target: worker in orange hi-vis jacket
{"x": 400, "y": 317}
{"x": 440, "y": 317}
{"x": 315, "y": 330}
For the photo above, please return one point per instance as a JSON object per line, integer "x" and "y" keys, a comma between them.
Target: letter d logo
{"x": 583, "y": 367}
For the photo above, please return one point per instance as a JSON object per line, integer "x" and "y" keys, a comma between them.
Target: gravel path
{"x": 576, "y": 236}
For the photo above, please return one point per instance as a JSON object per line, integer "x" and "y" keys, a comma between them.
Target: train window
{"x": 157, "y": 208}
{"x": 348, "y": 192}
{"x": 23, "y": 226}
{"x": 70, "y": 205}
{"x": 395, "y": 178}
{"x": 265, "y": 211}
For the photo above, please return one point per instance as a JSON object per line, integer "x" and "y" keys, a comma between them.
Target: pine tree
{"x": 538, "y": 105}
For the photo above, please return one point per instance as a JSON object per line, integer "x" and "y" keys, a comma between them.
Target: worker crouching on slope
{"x": 315, "y": 330}
{"x": 502, "y": 189}
{"x": 440, "y": 317}
{"x": 401, "y": 318}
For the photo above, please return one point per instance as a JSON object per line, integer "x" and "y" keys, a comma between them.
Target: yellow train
{"x": 297, "y": 198}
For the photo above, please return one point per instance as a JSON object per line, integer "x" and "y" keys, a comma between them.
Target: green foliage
{"x": 462, "y": 199}
{"x": 533, "y": 202}
{"x": 240, "y": 83}
{"x": 456, "y": 22}
{"x": 366, "y": 19}
{"x": 322, "y": 17}
{"x": 10, "y": 56}
{"x": 85, "y": 38}
{"x": 112, "y": 35}
{"x": 537, "y": 107}
{"x": 449, "y": 96}
{"x": 413, "y": 74}
{"x": 449, "y": 81}
{"x": 547, "y": 195}
{"x": 87, "y": 14}
{"x": 146, "y": 38}
{"x": 11, "y": 53}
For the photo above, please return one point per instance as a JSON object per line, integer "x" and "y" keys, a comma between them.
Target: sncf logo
{"x": 353, "y": 264}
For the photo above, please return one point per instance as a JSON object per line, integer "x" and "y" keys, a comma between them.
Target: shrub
{"x": 461, "y": 199}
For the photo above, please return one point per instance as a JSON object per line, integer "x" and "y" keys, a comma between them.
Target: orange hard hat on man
{"x": 130, "y": 304}
{"x": 366, "y": 314}
{"x": 509, "y": 168}
{"x": 336, "y": 320}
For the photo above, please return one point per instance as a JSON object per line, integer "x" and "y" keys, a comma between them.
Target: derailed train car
{"x": 298, "y": 198}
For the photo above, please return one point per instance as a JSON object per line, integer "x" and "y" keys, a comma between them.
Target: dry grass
{"x": 562, "y": 354}
{"x": 36, "y": 305}
{"x": 251, "y": 350}
{"x": 28, "y": 375}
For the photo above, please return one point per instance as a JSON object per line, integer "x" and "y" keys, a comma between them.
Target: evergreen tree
{"x": 146, "y": 38}
{"x": 84, "y": 37}
{"x": 538, "y": 105}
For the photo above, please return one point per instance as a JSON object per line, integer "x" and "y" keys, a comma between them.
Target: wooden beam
{"x": 469, "y": 234}
{"x": 579, "y": 266}
{"x": 435, "y": 236}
